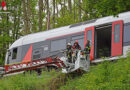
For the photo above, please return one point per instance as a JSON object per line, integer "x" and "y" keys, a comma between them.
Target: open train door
{"x": 89, "y": 35}
{"x": 117, "y": 36}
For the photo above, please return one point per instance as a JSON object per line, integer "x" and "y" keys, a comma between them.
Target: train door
{"x": 103, "y": 34}
{"x": 89, "y": 35}
{"x": 117, "y": 36}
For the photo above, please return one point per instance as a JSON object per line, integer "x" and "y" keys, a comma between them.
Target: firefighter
{"x": 76, "y": 45}
{"x": 87, "y": 49}
{"x": 76, "y": 48}
{"x": 69, "y": 52}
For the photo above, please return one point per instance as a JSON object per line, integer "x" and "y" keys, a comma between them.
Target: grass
{"x": 106, "y": 76}
{"x": 27, "y": 81}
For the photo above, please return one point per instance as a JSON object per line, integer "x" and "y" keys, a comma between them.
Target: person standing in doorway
{"x": 87, "y": 49}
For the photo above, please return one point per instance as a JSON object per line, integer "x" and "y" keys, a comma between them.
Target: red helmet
{"x": 76, "y": 41}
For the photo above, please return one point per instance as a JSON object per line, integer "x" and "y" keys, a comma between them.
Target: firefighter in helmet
{"x": 69, "y": 52}
{"x": 87, "y": 49}
{"x": 76, "y": 45}
{"x": 76, "y": 48}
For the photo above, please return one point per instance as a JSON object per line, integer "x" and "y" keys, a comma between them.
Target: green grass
{"x": 27, "y": 81}
{"x": 106, "y": 76}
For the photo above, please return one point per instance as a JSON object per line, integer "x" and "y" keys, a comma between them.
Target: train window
{"x": 9, "y": 53}
{"x": 7, "y": 56}
{"x": 37, "y": 53}
{"x": 77, "y": 37}
{"x": 89, "y": 35}
{"x": 14, "y": 56}
{"x": 36, "y": 56}
{"x": 45, "y": 48}
{"x": 117, "y": 33}
{"x": 58, "y": 45}
{"x": 126, "y": 33}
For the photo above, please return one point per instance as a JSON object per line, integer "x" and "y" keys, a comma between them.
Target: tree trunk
{"x": 40, "y": 14}
{"x": 29, "y": 15}
{"x": 64, "y": 9}
{"x": 18, "y": 24}
{"x": 74, "y": 11}
{"x": 57, "y": 9}
{"x": 48, "y": 15}
{"x": 69, "y": 6}
{"x": 25, "y": 17}
{"x": 62, "y": 12}
{"x": 53, "y": 13}
{"x": 79, "y": 10}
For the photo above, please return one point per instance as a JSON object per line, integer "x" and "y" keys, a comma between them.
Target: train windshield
{"x": 8, "y": 54}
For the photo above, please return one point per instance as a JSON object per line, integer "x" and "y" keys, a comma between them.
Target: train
{"x": 109, "y": 37}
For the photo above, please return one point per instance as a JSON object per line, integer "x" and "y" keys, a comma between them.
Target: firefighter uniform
{"x": 69, "y": 52}
{"x": 87, "y": 50}
{"x": 76, "y": 46}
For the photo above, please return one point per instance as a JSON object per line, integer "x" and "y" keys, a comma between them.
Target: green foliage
{"x": 112, "y": 7}
{"x": 66, "y": 20}
{"x": 27, "y": 81}
{"x": 100, "y": 8}
{"x": 105, "y": 76}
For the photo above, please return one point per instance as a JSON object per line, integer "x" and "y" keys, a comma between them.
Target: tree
{"x": 48, "y": 15}
{"x": 112, "y": 7}
{"x": 79, "y": 10}
{"x": 69, "y": 6}
{"x": 10, "y": 26}
{"x": 25, "y": 17}
{"x": 54, "y": 13}
{"x": 40, "y": 14}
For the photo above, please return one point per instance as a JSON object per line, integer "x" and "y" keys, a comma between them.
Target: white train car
{"x": 109, "y": 36}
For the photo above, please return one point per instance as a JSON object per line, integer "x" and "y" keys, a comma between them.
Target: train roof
{"x": 41, "y": 36}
